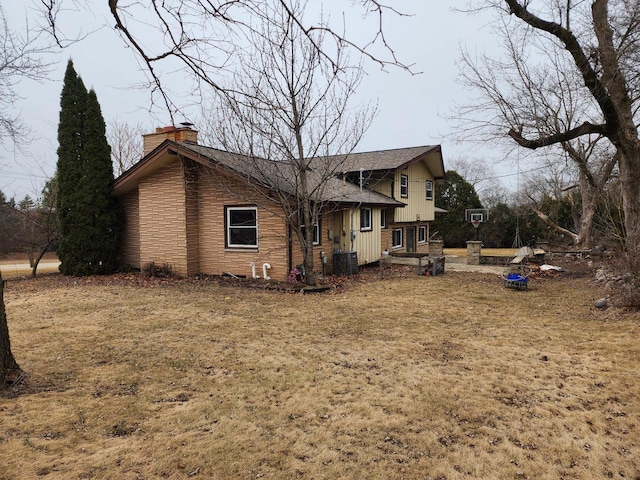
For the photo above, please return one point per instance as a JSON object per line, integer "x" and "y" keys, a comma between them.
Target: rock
{"x": 601, "y": 276}
{"x": 602, "y": 303}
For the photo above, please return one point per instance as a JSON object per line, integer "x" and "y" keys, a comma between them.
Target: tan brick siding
{"x": 162, "y": 219}
{"x": 129, "y": 244}
{"x": 193, "y": 218}
{"x": 217, "y": 190}
{"x": 387, "y": 239}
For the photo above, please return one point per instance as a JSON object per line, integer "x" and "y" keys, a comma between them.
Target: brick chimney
{"x": 179, "y": 134}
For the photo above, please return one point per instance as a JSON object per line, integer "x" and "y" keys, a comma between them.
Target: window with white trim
{"x": 422, "y": 234}
{"x": 383, "y": 218}
{"x": 242, "y": 227}
{"x": 404, "y": 186}
{"x": 396, "y": 238}
{"x": 365, "y": 219}
{"x": 316, "y": 233}
{"x": 429, "y": 190}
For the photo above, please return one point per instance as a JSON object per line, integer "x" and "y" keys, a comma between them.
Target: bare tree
{"x": 577, "y": 172}
{"x": 289, "y": 117}
{"x": 202, "y": 38}
{"x": 20, "y": 58}
{"x": 480, "y": 175}
{"x": 570, "y": 73}
{"x": 125, "y": 140}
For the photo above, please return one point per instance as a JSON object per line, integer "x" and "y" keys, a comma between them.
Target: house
{"x": 203, "y": 210}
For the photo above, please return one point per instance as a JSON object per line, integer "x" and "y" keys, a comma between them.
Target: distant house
{"x": 190, "y": 206}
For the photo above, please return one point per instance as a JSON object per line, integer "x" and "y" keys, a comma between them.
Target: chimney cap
{"x": 186, "y": 124}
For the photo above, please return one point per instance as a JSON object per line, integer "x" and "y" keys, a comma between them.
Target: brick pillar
{"x": 436, "y": 248}
{"x": 473, "y": 252}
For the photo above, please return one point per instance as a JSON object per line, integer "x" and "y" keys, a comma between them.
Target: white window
{"x": 396, "y": 238}
{"x": 316, "y": 233}
{"x": 429, "y": 189}
{"x": 422, "y": 234}
{"x": 383, "y": 218}
{"x": 404, "y": 186}
{"x": 365, "y": 219}
{"x": 242, "y": 227}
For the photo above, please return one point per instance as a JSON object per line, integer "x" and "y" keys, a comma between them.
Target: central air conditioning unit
{"x": 345, "y": 263}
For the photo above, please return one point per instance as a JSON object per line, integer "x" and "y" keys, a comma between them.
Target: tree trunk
{"x": 43, "y": 250}
{"x": 630, "y": 188}
{"x": 563, "y": 231}
{"x": 9, "y": 368}
{"x": 589, "y": 195}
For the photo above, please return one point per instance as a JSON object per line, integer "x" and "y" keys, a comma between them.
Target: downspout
{"x": 289, "y": 248}
{"x": 353, "y": 210}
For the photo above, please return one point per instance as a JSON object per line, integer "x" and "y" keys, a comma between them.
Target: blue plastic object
{"x": 514, "y": 277}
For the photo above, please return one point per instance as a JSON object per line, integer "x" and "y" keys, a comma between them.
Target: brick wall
{"x": 129, "y": 246}
{"x": 152, "y": 140}
{"x": 163, "y": 236}
{"x": 217, "y": 190}
{"x": 192, "y": 205}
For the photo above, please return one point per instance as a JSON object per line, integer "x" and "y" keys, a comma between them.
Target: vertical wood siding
{"x": 418, "y": 207}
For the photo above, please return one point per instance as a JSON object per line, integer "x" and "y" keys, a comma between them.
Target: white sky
{"x": 411, "y": 108}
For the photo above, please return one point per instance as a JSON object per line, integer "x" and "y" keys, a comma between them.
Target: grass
{"x": 444, "y": 377}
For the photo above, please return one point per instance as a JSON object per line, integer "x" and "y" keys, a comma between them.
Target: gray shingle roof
{"x": 381, "y": 160}
{"x": 283, "y": 175}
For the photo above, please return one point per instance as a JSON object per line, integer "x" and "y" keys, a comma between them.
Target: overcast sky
{"x": 412, "y": 108}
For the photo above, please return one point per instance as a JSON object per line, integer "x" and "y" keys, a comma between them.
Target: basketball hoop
{"x": 476, "y": 216}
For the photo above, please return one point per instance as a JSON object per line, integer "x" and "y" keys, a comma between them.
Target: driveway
{"x": 24, "y": 268}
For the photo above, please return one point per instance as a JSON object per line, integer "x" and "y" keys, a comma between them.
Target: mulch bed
{"x": 573, "y": 268}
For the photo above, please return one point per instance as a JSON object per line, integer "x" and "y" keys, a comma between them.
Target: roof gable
{"x": 391, "y": 160}
{"x": 268, "y": 173}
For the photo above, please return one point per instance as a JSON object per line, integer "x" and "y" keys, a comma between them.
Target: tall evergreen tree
{"x": 87, "y": 216}
{"x": 73, "y": 100}
{"x": 101, "y": 214}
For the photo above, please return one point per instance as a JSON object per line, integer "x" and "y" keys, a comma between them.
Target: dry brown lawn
{"x": 445, "y": 377}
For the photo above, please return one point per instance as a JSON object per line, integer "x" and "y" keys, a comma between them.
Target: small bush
{"x": 152, "y": 269}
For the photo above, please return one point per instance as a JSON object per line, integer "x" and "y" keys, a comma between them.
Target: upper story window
{"x": 365, "y": 219}
{"x": 404, "y": 186}
{"x": 383, "y": 218}
{"x": 242, "y": 227}
{"x": 429, "y": 189}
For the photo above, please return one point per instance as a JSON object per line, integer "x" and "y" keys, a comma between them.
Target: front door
{"x": 411, "y": 239}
